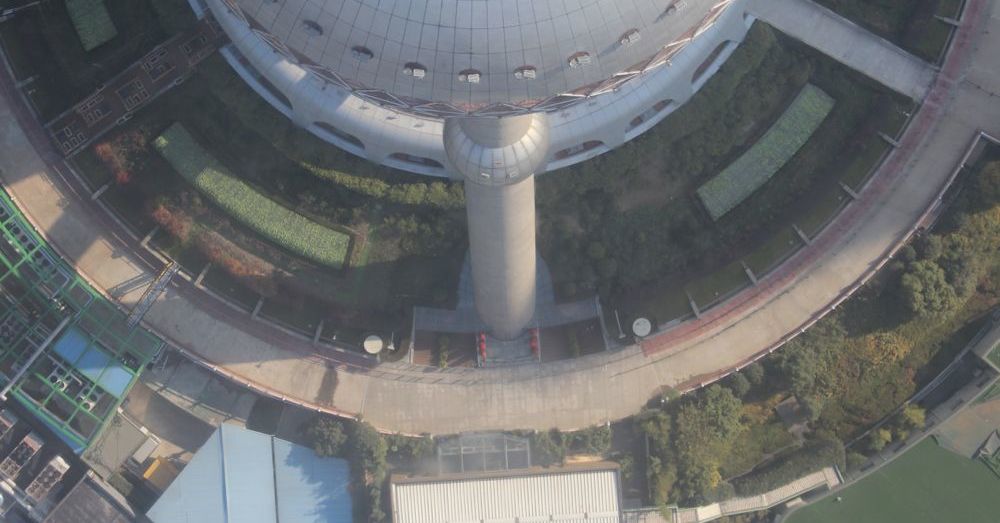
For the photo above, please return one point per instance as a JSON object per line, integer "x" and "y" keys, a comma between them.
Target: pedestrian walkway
{"x": 826, "y": 478}
{"x": 849, "y": 44}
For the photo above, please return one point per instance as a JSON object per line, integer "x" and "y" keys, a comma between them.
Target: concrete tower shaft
{"x": 502, "y": 251}
{"x": 498, "y": 158}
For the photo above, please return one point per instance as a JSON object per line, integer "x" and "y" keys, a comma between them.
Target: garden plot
{"x": 92, "y": 22}
{"x": 766, "y": 157}
{"x": 278, "y": 224}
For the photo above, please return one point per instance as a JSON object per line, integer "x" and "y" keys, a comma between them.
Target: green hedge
{"x": 813, "y": 456}
{"x": 92, "y": 22}
{"x": 766, "y": 157}
{"x": 278, "y": 224}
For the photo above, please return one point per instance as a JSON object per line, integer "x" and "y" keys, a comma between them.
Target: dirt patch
{"x": 650, "y": 186}
{"x": 964, "y": 433}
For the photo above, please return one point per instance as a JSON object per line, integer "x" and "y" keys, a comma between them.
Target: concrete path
{"x": 848, "y": 43}
{"x": 172, "y": 424}
{"x": 566, "y": 394}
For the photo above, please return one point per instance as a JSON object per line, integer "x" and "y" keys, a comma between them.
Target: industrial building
{"x": 585, "y": 493}
{"x": 242, "y": 476}
{"x": 67, "y": 354}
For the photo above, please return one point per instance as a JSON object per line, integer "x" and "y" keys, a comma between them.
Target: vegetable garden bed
{"x": 756, "y": 166}
{"x": 278, "y": 224}
{"x": 92, "y": 22}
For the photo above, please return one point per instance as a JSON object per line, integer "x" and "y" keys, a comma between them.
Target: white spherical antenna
{"x": 373, "y": 344}
{"x": 642, "y": 327}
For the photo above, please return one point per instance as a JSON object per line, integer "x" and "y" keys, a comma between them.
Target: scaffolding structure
{"x": 483, "y": 452}
{"x": 75, "y": 385}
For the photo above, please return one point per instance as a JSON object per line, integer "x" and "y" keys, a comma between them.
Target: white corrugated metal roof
{"x": 586, "y": 496}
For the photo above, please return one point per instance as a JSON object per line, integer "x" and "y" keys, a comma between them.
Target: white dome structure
{"x": 492, "y": 92}
{"x": 379, "y": 78}
{"x": 495, "y": 151}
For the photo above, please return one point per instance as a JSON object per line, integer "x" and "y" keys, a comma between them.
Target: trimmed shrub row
{"x": 778, "y": 145}
{"x": 276, "y": 223}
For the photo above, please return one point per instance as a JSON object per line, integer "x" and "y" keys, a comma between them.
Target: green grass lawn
{"x": 717, "y": 285}
{"x": 822, "y": 212}
{"x": 660, "y": 305}
{"x": 994, "y": 356}
{"x": 219, "y": 281}
{"x": 928, "y": 484}
{"x": 773, "y": 251}
{"x": 278, "y": 224}
{"x": 857, "y": 171}
{"x": 778, "y": 145}
{"x": 989, "y": 394}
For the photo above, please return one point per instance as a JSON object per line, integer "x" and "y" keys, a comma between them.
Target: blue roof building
{"x": 242, "y": 476}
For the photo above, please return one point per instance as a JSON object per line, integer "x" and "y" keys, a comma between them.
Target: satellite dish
{"x": 373, "y": 344}
{"x": 642, "y": 327}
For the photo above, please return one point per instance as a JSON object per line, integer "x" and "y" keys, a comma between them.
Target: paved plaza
{"x": 566, "y": 394}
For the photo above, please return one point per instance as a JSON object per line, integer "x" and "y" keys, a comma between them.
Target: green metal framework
{"x": 79, "y": 381}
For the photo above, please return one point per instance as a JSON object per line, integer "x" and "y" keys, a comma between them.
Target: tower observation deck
{"x": 491, "y": 92}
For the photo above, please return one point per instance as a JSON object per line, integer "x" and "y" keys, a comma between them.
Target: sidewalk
{"x": 849, "y": 44}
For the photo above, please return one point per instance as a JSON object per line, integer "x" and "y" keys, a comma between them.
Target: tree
{"x": 721, "y": 411}
{"x": 591, "y": 440}
{"x": 813, "y": 406}
{"x": 926, "y": 289}
{"x": 626, "y": 466}
{"x": 367, "y": 451}
{"x": 410, "y": 448}
{"x": 855, "y": 461}
{"x": 912, "y": 417}
{"x": 443, "y": 351}
{"x": 697, "y": 480}
{"x": 878, "y": 439}
{"x": 657, "y": 425}
{"x": 963, "y": 260}
{"x": 738, "y": 383}
{"x": 326, "y": 435}
{"x": 754, "y": 374}
{"x": 880, "y": 348}
{"x": 706, "y": 429}
{"x": 806, "y": 363}
{"x": 368, "y": 447}
{"x": 988, "y": 184}
{"x": 548, "y": 448}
